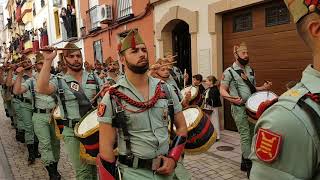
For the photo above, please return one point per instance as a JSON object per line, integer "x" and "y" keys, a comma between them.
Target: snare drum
{"x": 201, "y": 133}
{"x": 58, "y": 122}
{"x": 196, "y": 97}
{"x": 87, "y": 131}
{"x": 254, "y": 101}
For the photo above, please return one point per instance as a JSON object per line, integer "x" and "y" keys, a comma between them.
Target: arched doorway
{"x": 181, "y": 46}
{"x": 177, "y": 39}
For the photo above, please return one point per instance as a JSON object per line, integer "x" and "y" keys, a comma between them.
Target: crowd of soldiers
{"x": 135, "y": 108}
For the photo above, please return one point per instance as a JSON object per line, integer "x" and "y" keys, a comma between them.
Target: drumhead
{"x": 191, "y": 115}
{"x": 193, "y": 89}
{"x": 257, "y": 98}
{"x": 89, "y": 122}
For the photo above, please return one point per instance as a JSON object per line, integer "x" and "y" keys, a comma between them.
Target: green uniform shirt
{"x": 149, "y": 129}
{"x": 238, "y": 81}
{"x": 71, "y": 101}
{"x": 27, "y": 94}
{"x": 41, "y": 101}
{"x": 299, "y": 153}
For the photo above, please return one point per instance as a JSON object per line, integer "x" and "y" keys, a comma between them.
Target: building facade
{"x": 210, "y": 29}
{"x": 103, "y": 20}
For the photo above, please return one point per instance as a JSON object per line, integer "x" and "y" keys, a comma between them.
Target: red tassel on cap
{"x": 119, "y": 47}
{"x": 133, "y": 41}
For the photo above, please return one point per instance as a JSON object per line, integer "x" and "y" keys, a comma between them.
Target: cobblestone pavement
{"x": 213, "y": 165}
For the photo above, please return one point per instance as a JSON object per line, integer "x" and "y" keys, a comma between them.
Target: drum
{"x": 254, "y": 101}
{"x": 201, "y": 133}
{"x": 58, "y": 122}
{"x": 87, "y": 131}
{"x": 196, "y": 97}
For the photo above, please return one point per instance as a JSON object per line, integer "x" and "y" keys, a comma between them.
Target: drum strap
{"x": 247, "y": 81}
{"x": 120, "y": 121}
{"x": 62, "y": 99}
{"x": 97, "y": 88}
{"x": 315, "y": 121}
{"x": 33, "y": 94}
{"x": 170, "y": 107}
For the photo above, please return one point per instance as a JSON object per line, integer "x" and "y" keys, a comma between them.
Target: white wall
{"x": 203, "y": 36}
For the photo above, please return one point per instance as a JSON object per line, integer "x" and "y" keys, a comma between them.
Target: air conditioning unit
{"x": 57, "y": 3}
{"x": 105, "y": 14}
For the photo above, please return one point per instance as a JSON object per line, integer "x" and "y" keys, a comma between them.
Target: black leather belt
{"x": 69, "y": 123}
{"x": 26, "y": 100}
{"x": 136, "y": 162}
{"x": 18, "y": 97}
{"x": 42, "y": 111}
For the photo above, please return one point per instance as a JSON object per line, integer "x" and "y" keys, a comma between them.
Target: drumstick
{"x": 268, "y": 90}
{"x": 98, "y": 94}
{"x": 184, "y": 80}
{"x": 52, "y": 49}
{"x": 32, "y": 65}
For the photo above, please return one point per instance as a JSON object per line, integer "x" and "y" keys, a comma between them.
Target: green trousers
{"x": 49, "y": 145}
{"x": 83, "y": 170}
{"x": 9, "y": 107}
{"x": 26, "y": 111}
{"x": 17, "y": 114}
{"x": 245, "y": 128}
{"x": 141, "y": 174}
{"x": 181, "y": 173}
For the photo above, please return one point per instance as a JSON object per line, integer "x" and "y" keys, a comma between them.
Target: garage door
{"x": 276, "y": 52}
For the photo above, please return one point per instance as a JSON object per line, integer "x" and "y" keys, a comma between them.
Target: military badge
{"x": 101, "y": 110}
{"x": 74, "y": 86}
{"x": 267, "y": 145}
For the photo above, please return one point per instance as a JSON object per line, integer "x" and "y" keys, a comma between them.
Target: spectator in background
{"x": 212, "y": 102}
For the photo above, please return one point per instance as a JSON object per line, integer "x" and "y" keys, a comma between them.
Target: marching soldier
{"x": 287, "y": 135}
{"x": 113, "y": 74}
{"x": 237, "y": 84}
{"x": 139, "y": 108}
{"x": 26, "y": 109}
{"x": 74, "y": 91}
{"x": 43, "y": 126}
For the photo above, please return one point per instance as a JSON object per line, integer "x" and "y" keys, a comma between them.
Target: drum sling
{"x": 95, "y": 104}
{"x": 164, "y": 87}
{"x": 63, "y": 101}
{"x": 83, "y": 101}
{"x": 33, "y": 95}
{"x": 247, "y": 81}
{"x": 315, "y": 121}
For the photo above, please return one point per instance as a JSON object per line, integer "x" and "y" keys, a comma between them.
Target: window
{"x": 97, "y": 48}
{"x": 124, "y": 8}
{"x": 93, "y": 13}
{"x": 277, "y": 15}
{"x": 57, "y": 23}
{"x": 242, "y": 22}
{"x": 94, "y": 17}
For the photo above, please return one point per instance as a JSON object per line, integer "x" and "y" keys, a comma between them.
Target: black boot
{"x": 36, "y": 150}
{"x": 53, "y": 173}
{"x": 12, "y": 122}
{"x": 31, "y": 157}
{"x": 7, "y": 112}
{"x": 58, "y": 175}
{"x": 17, "y": 135}
{"x": 246, "y": 164}
{"x": 22, "y": 138}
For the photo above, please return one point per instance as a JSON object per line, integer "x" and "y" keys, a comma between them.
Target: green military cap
{"x": 300, "y": 8}
{"x": 39, "y": 57}
{"x": 242, "y": 47}
{"x": 71, "y": 49}
{"x": 130, "y": 40}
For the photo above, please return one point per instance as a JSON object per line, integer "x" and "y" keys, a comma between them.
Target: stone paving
{"x": 213, "y": 165}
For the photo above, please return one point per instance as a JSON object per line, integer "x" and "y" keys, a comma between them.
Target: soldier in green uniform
{"x": 23, "y": 74}
{"x": 237, "y": 84}
{"x": 286, "y": 144}
{"x": 136, "y": 107}
{"x": 16, "y": 103}
{"x": 113, "y": 73}
{"x": 43, "y": 126}
{"x": 74, "y": 90}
